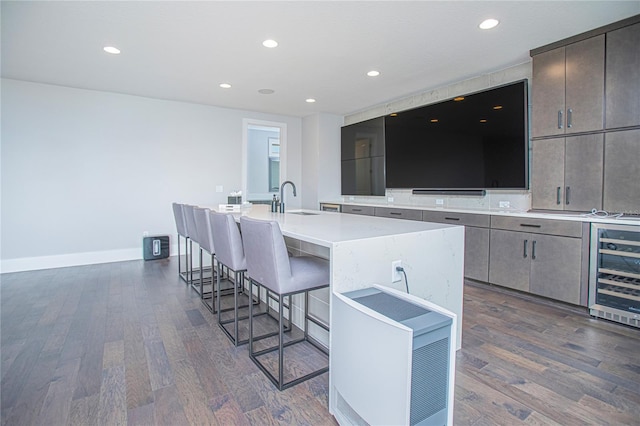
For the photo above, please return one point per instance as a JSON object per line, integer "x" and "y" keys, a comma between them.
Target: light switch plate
{"x": 218, "y": 188}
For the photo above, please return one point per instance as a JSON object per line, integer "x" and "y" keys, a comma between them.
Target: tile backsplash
{"x": 517, "y": 201}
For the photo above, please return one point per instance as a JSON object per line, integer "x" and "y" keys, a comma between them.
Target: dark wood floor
{"x": 129, "y": 343}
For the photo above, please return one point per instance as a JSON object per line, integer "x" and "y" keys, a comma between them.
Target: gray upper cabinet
{"x": 583, "y": 165}
{"x": 623, "y": 77}
{"x": 547, "y": 174}
{"x": 622, "y": 172}
{"x": 566, "y": 173}
{"x": 568, "y": 89}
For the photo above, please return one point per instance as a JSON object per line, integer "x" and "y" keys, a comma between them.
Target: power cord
{"x": 406, "y": 281}
{"x": 603, "y": 213}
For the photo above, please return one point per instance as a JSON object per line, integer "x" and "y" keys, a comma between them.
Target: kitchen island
{"x": 361, "y": 249}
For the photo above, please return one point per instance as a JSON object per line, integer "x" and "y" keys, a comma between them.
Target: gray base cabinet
{"x": 539, "y": 256}
{"x": 546, "y": 257}
{"x": 476, "y": 239}
{"x": 556, "y": 268}
{"x": 363, "y": 210}
{"x": 396, "y": 213}
{"x": 509, "y": 260}
{"x": 476, "y": 253}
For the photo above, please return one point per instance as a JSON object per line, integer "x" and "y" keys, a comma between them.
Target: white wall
{"x": 320, "y": 159}
{"x": 85, "y": 173}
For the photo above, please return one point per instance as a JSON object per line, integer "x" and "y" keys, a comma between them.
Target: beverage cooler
{"x": 614, "y": 280}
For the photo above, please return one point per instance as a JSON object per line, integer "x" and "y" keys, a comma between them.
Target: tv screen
{"x": 362, "y": 165}
{"x": 473, "y": 142}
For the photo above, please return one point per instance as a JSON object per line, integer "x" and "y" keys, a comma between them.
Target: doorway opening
{"x": 263, "y": 160}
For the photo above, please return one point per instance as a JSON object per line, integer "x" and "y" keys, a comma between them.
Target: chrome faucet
{"x": 282, "y": 193}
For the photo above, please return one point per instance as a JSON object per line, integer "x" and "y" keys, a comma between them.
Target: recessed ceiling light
{"x": 483, "y": 120}
{"x": 394, "y": 114}
{"x": 266, "y": 91}
{"x": 459, "y": 98}
{"x": 270, "y": 43}
{"x": 497, "y": 107}
{"x": 434, "y": 120}
{"x": 310, "y": 100}
{"x": 373, "y": 73}
{"x": 112, "y": 50}
{"x": 487, "y": 24}
{"x": 225, "y": 85}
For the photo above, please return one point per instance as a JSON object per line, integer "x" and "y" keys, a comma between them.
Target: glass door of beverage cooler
{"x": 614, "y": 287}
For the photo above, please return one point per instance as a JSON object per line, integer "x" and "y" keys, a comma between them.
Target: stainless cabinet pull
{"x": 569, "y": 121}
{"x": 566, "y": 194}
{"x": 528, "y": 225}
{"x": 559, "y": 119}
{"x": 524, "y": 252}
{"x": 452, "y": 218}
{"x": 395, "y": 213}
{"x": 533, "y": 250}
{"x": 356, "y": 210}
{"x": 558, "y": 189}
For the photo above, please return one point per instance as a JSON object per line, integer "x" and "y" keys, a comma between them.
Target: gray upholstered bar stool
{"x": 229, "y": 253}
{"x": 181, "y": 228}
{"x": 205, "y": 241}
{"x": 269, "y": 264}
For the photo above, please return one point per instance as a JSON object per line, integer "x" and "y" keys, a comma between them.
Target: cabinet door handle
{"x": 396, "y": 213}
{"x": 559, "y": 119}
{"x": 569, "y": 114}
{"x": 566, "y": 194}
{"x": 452, "y": 218}
{"x": 524, "y": 250}
{"x": 356, "y": 210}
{"x": 528, "y": 225}
{"x": 558, "y": 190}
{"x": 533, "y": 249}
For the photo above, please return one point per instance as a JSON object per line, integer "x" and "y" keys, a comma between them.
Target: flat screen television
{"x": 362, "y": 165}
{"x": 472, "y": 142}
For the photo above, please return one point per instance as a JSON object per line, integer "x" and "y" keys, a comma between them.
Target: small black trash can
{"x": 156, "y": 247}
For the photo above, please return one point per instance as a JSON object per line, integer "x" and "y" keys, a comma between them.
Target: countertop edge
{"x": 575, "y": 217}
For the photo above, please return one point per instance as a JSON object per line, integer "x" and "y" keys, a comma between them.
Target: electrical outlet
{"x": 505, "y": 204}
{"x": 352, "y": 198}
{"x": 390, "y": 199}
{"x": 439, "y": 202}
{"x": 395, "y": 274}
{"x": 145, "y": 233}
{"x": 218, "y": 188}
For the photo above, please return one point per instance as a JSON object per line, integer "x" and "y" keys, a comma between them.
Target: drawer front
{"x": 466, "y": 219}
{"x": 399, "y": 213}
{"x": 538, "y": 226}
{"x": 365, "y": 210}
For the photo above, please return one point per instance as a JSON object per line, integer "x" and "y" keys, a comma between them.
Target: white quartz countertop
{"x": 571, "y": 216}
{"x": 328, "y": 228}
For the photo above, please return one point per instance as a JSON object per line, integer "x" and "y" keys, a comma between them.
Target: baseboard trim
{"x": 73, "y": 259}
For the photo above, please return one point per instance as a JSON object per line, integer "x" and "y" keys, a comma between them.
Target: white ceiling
{"x": 183, "y": 50}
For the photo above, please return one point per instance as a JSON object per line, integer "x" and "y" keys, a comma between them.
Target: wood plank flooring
{"x": 130, "y": 343}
